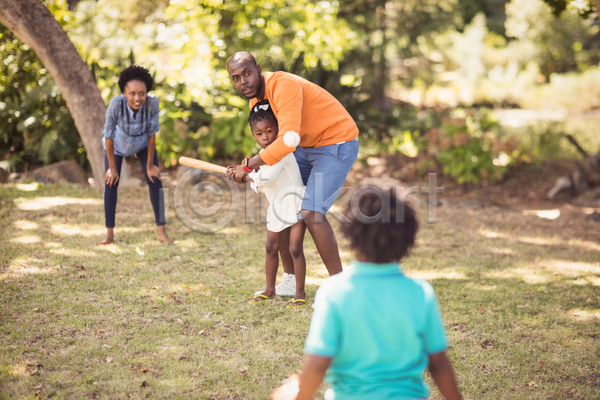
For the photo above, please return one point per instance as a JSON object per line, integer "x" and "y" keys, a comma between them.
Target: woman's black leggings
{"x": 156, "y": 194}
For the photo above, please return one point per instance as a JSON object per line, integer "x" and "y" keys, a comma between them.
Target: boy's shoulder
{"x": 344, "y": 282}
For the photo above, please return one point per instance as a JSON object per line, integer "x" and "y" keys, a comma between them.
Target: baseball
{"x": 291, "y": 139}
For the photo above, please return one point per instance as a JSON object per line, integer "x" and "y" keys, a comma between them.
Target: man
{"x": 314, "y": 125}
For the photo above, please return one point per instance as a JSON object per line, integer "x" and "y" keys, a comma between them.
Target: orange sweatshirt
{"x": 305, "y": 108}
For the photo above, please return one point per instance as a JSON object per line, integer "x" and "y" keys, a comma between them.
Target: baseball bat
{"x": 192, "y": 162}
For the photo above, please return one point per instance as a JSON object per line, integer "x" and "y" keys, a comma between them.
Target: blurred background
{"x": 472, "y": 88}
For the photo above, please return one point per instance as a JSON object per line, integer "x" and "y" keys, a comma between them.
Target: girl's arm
{"x": 304, "y": 388}
{"x": 441, "y": 371}
{"x": 152, "y": 170}
{"x": 111, "y": 176}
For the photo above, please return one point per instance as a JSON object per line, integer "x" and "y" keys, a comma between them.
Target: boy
{"x": 374, "y": 330}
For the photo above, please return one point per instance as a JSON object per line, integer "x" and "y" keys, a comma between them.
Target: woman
{"x": 130, "y": 128}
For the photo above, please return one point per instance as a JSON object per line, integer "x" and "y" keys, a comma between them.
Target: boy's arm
{"x": 305, "y": 387}
{"x": 312, "y": 376}
{"x": 442, "y": 373}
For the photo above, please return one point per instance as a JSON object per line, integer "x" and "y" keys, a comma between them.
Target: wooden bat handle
{"x": 192, "y": 162}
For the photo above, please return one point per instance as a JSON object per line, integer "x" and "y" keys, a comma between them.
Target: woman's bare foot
{"x": 110, "y": 237}
{"x": 299, "y": 300}
{"x": 266, "y": 295}
{"x": 162, "y": 235}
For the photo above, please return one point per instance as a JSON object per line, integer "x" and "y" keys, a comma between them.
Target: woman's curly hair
{"x": 136, "y": 73}
{"x": 383, "y": 227}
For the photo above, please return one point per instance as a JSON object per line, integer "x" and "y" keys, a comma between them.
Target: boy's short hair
{"x": 136, "y": 73}
{"x": 261, "y": 111}
{"x": 387, "y": 238}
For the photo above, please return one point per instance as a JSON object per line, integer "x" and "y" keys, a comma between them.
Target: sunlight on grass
{"x": 594, "y": 280}
{"x": 586, "y": 244}
{"x": 181, "y": 311}
{"x": 89, "y": 230}
{"x": 584, "y": 315}
{"x": 25, "y": 265}
{"x": 70, "y": 230}
{"x": 546, "y": 214}
{"x": 529, "y": 275}
{"x": 231, "y": 230}
{"x": 479, "y": 286}
{"x": 25, "y": 225}
{"x": 110, "y": 248}
{"x": 186, "y": 288}
{"x": 74, "y": 252}
{"x": 541, "y": 240}
{"x": 554, "y": 241}
{"x": 25, "y": 368}
{"x": 431, "y": 274}
{"x": 494, "y": 235}
{"x": 570, "y": 268}
{"x": 187, "y": 243}
{"x": 27, "y": 239}
{"x": 42, "y": 203}
{"x": 27, "y": 187}
{"x": 500, "y": 250}
{"x": 546, "y": 271}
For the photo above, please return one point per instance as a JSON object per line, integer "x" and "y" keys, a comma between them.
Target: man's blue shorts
{"x": 324, "y": 170}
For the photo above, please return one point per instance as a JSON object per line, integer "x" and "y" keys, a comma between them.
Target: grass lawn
{"x": 520, "y": 297}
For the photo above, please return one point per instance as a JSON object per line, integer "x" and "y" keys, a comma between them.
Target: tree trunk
{"x": 35, "y": 26}
{"x": 381, "y": 73}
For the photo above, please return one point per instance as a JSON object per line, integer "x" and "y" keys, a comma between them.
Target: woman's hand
{"x": 289, "y": 390}
{"x": 152, "y": 171}
{"x": 111, "y": 177}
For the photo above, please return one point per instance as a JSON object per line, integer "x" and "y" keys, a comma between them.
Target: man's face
{"x": 247, "y": 78}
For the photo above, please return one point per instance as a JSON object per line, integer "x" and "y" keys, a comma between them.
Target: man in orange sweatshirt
{"x": 313, "y": 125}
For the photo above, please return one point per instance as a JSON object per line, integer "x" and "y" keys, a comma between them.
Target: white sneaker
{"x": 287, "y": 286}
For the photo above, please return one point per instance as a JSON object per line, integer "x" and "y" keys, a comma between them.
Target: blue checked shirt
{"x": 129, "y": 133}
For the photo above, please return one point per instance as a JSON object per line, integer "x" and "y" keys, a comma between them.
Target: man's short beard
{"x": 259, "y": 89}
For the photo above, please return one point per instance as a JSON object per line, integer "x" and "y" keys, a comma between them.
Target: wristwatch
{"x": 245, "y": 165}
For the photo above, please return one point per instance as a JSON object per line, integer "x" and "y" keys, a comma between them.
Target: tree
{"x": 35, "y": 123}
{"x": 33, "y": 24}
{"x": 585, "y": 7}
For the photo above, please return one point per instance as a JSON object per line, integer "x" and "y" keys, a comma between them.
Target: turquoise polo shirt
{"x": 379, "y": 327}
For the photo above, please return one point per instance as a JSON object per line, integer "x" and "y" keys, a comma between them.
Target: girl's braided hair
{"x": 135, "y": 73}
{"x": 261, "y": 111}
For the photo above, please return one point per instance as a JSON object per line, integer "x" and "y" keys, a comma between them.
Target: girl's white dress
{"x": 283, "y": 187}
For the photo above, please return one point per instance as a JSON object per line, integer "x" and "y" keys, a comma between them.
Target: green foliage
{"x": 35, "y": 124}
{"x": 468, "y": 146}
{"x": 373, "y": 55}
{"x": 186, "y": 129}
{"x": 583, "y": 7}
{"x": 557, "y": 42}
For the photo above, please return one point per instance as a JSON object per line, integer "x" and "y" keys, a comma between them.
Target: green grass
{"x": 519, "y": 295}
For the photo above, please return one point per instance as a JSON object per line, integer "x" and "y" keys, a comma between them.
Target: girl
{"x": 283, "y": 187}
{"x": 374, "y": 330}
{"x": 130, "y": 128}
